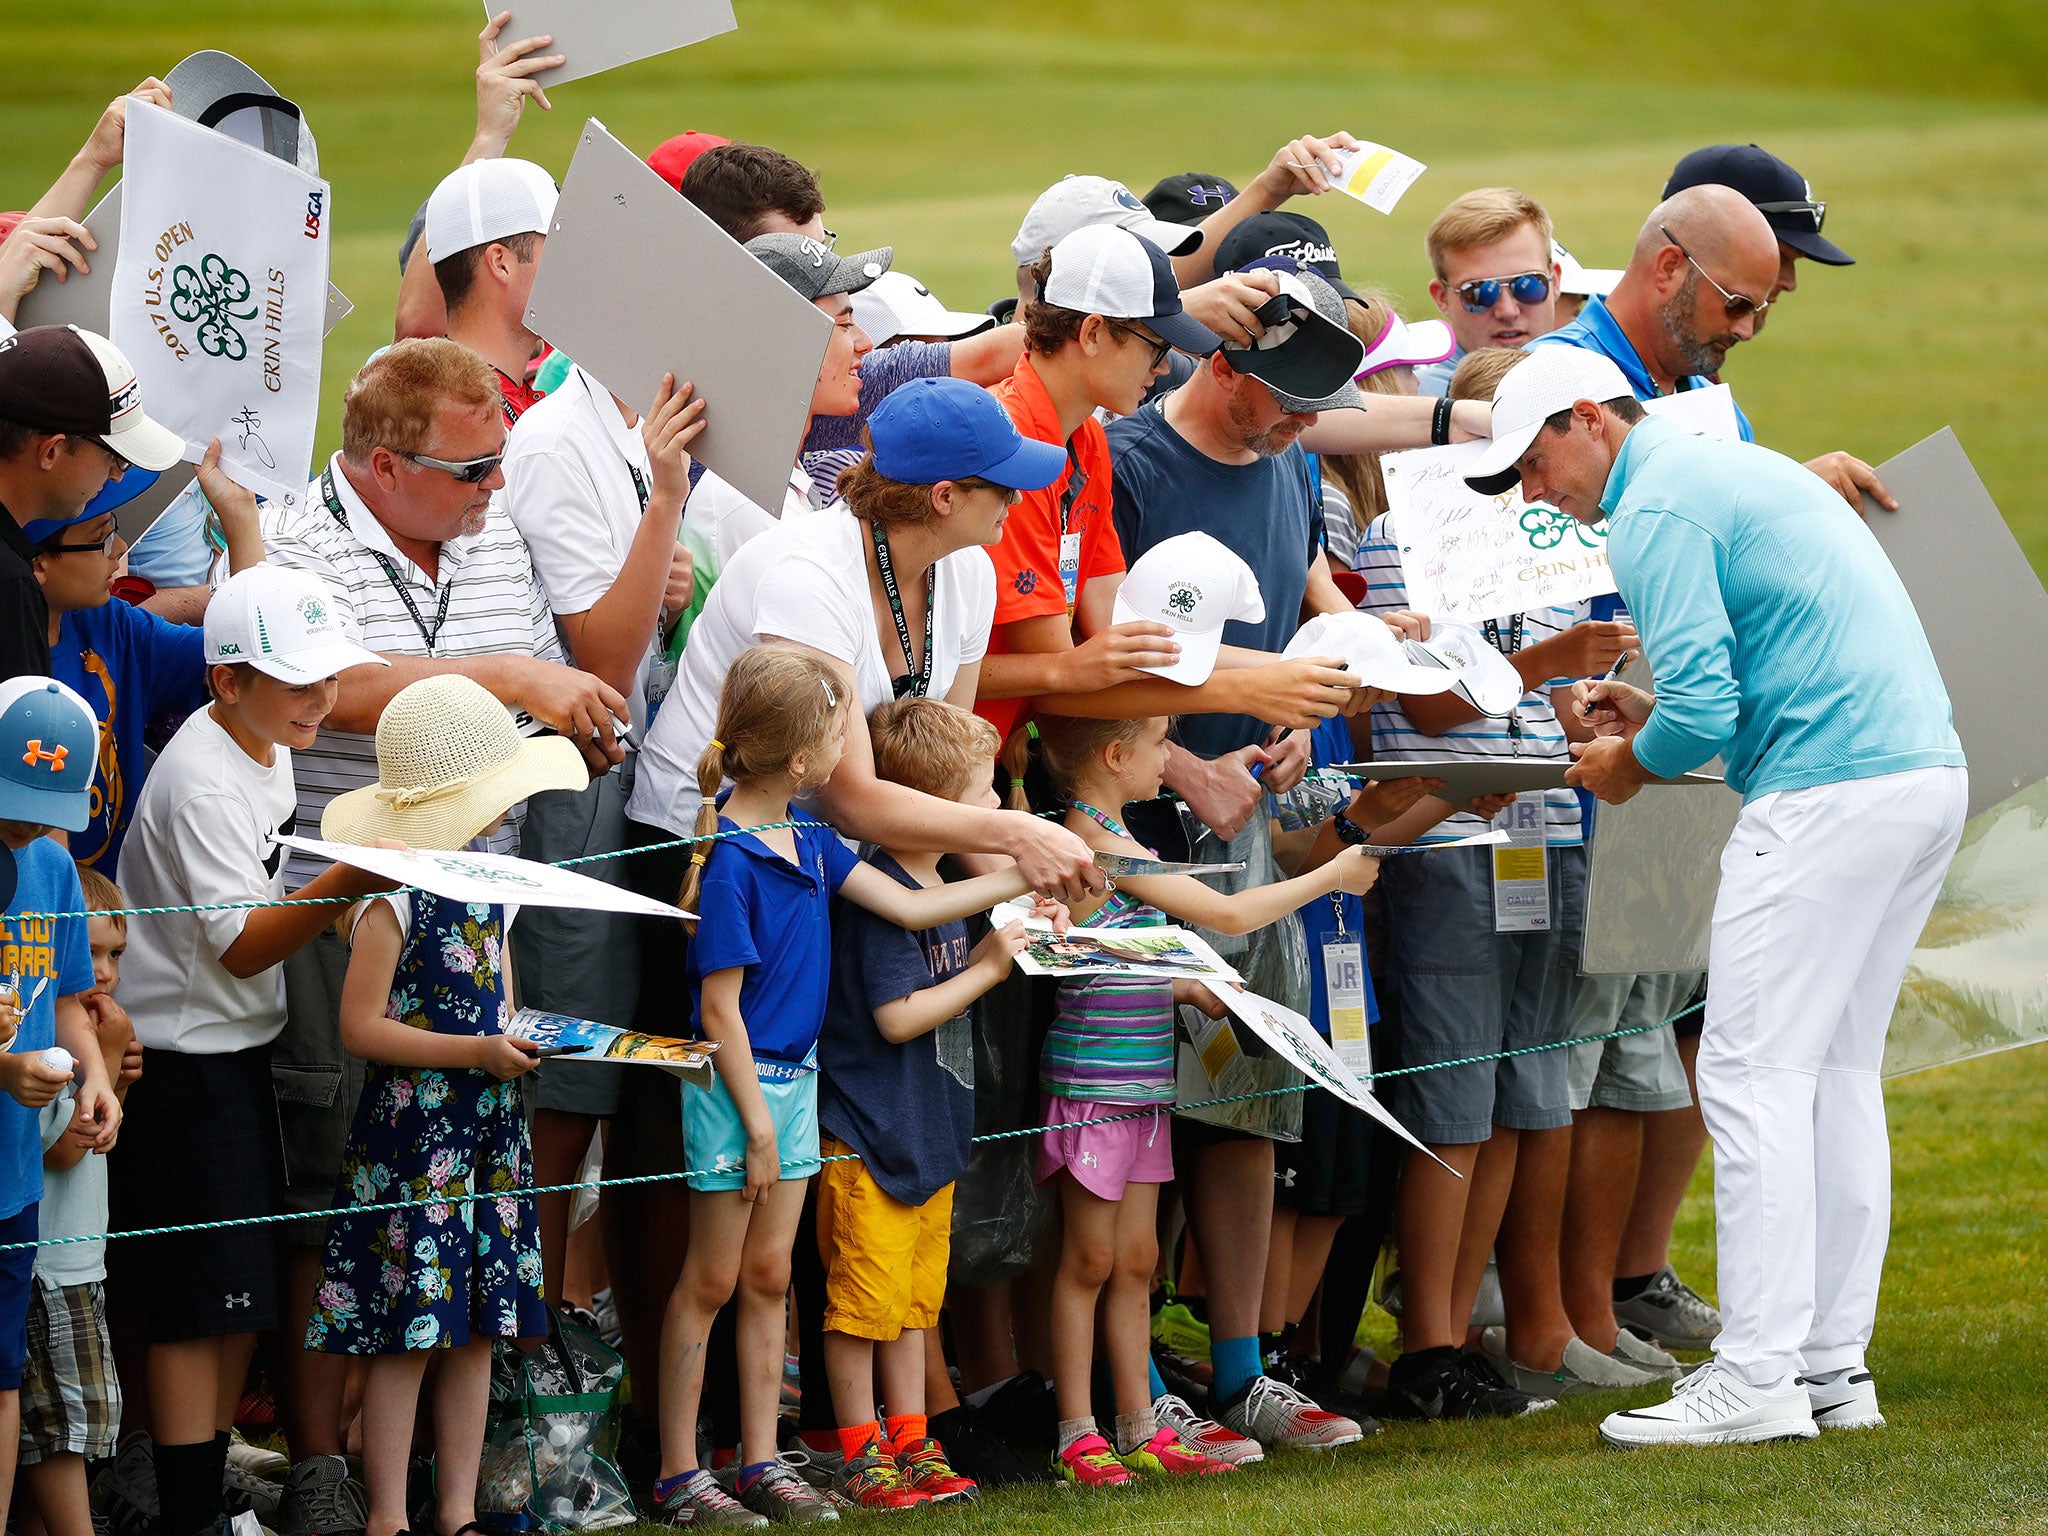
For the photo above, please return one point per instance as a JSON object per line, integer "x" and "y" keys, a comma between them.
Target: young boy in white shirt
{"x": 207, "y": 996}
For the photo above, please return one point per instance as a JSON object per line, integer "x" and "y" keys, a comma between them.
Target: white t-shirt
{"x": 726, "y": 520}
{"x": 202, "y": 835}
{"x": 805, "y": 580}
{"x": 570, "y": 491}
{"x": 495, "y": 607}
{"x": 74, "y": 1205}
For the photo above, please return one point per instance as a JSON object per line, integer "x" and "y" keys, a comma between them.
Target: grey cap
{"x": 817, "y": 271}
{"x": 1308, "y": 341}
{"x": 217, "y": 90}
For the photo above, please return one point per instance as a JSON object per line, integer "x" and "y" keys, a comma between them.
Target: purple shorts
{"x": 1104, "y": 1158}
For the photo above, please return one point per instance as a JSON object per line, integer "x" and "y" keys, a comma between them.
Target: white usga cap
{"x": 1586, "y": 282}
{"x": 1081, "y": 201}
{"x": 284, "y": 623}
{"x": 897, "y": 304}
{"x": 1549, "y": 379}
{"x": 1372, "y": 652}
{"x": 1483, "y": 677}
{"x": 488, "y": 200}
{"x": 1194, "y": 586}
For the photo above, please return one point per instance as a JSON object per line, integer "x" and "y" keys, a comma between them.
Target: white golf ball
{"x": 57, "y": 1059}
{"x": 561, "y": 1509}
{"x": 561, "y": 1434}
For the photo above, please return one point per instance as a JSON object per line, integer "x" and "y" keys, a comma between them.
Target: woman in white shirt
{"x": 893, "y": 591}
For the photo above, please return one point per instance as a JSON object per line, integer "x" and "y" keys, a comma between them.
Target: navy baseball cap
{"x": 1283, "y": 234}
{"x": 1780, "y": 194}
{"x": 49, "y": 744}
{"x": 1114, "y": 272}
{"x": 1187, "y": 198}
{"x": 930, "y": 430}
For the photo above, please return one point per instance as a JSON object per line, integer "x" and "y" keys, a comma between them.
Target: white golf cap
{"x": 1194, "y": 586}
{"x": 1483, "y": 677}
{"x": 1408, "y": 343}
{"x": 1587, "y": 282}
{"x": 1081, "y": 201}
{"x": 897, "y": 304}
{"x": 1373, "y": 653}
{"x": 1117, "y": 273}
{"x": 130, "y": 432}
{"x": 488, "y": 200}
{"x": 1546, "y": 381}
{"x": 282, "y": 622}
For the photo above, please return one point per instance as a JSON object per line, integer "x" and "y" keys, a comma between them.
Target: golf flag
{"x": 220, "y": 294}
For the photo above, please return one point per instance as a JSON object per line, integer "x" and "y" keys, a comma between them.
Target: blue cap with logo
{"x": 49, "y": 744}
{"x": 949, "y": 429}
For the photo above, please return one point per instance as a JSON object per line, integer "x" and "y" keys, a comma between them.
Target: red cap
{"x": 672, "y": 158}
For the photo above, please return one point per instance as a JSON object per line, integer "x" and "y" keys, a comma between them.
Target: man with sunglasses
{"x": 1495, "y": 276}
{"x": 71, "y": 420}
{"x": 1781, "y": 195}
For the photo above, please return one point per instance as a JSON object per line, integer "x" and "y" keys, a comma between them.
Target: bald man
{"x": 1696, "y": 285}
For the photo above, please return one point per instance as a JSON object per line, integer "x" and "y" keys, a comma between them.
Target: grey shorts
{"x": 1640, "y": 1073}
{"x": 1468, "y": 991}
{"x": 585, "y": 964}
{"x": 317, "y": 1083}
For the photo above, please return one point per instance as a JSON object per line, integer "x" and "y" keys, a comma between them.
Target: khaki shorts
{"x": 1639, "y": 1073}
{"x": 885, "y": 1262}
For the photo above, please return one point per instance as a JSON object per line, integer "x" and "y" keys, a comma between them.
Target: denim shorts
{"x": 1468, "y": 991}
{"x": 715, "y": 1139}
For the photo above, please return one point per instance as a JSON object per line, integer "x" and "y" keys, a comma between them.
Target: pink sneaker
{"x": 1205, "y": 1436}
{"x": 1170, "y": 1456}
{"x": 1092, "y": 1464}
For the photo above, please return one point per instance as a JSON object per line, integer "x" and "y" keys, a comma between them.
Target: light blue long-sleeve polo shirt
{"x": 1781, "y": 637}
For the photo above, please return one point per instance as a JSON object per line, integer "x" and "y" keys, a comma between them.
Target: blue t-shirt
{"x": 907, "y": 1109}
{"x": 134, "y": 669}
{"x": 759, "y": 911}
{"x": 57, "y": 954}
{"x": 1330, "y": 742}
{"x": 1267, "y": 511}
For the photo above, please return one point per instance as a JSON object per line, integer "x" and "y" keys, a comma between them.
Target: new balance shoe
{"x": 1445, "y": 1384}
{"x": 1844, "y": 1399}
{"x": 1644, "y": 1356}
{"x": 1584, "y": 1369}
{"x": 872, "y": 1480}
{"x": 783, "y": 1496}
{"x": 1713, "y": 1406}
{"x": 1670, "y": 1313}
{"x": 700, "y": 1504}
{"x": 976, "y": 1453}
{"x": 1205, "y": 1435}
{"x": 1090, "y": 1463}
{"x": 1167, "y": 1455}
{"x": 924, "y": 1466}
{"x": 1280, "y": 1418}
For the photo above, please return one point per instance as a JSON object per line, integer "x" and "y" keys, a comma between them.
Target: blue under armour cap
{"x": 49, "y": 743}
{"x": 930, "y": 430}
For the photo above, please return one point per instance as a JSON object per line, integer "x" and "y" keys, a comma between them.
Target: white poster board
{"x": 497, "y": 878}
{"x": 220, "y": 296}
{"x": 1467, "y": 557}
{"x": 635, "y": 282}
{"x": 595, "y": 35}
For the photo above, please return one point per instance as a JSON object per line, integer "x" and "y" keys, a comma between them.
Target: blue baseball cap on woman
{"x": 930, "y": 430}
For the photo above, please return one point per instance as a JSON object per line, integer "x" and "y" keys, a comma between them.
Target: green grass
{"x": 932, "y": 124}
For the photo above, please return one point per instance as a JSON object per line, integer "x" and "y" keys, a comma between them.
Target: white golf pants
{"x": 1824, "y": 893}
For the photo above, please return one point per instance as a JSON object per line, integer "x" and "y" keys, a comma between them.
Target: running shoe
{"x": 1280, "y": 1418}
{"x": 699, "y": 1504}
{"x": 1442, "y": 1383}
{"x": 1090, "y": 1463}
{"x": 872, "y": 1480}
{"x": 924, "y": 1466}
{"x": 783, "y": 1496}
{"x": 1205, "y": 1435}
{"x": 1167, "y": 1455}
{"x": 1713, "y": 1406}
{"x": 1670, "y": 1313}
{"x": 1844, "y": 1399}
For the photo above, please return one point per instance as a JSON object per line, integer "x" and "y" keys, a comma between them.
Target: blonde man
{"x": 1495, "y": 278}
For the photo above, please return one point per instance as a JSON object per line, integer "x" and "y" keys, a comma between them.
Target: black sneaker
{"x": 1446, "y": 1384}
{"x": 977, "y": 1454}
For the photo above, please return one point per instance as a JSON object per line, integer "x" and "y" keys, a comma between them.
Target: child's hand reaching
{"x": 505, "y": 1058}
{"x": 1003, "y": 945}
{"x": 1054, "y": 912}
{"x": 1356, "y": 871}
{"x": 1195, "y": 995}
{"x": 1486, "y": 807}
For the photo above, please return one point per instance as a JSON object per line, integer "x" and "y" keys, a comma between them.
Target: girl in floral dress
{"x": 442, "y": 1116}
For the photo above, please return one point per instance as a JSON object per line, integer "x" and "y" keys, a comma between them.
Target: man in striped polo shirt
{"x": 398, "y": 527}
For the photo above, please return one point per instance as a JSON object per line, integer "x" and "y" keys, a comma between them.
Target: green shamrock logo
{"x": 1547, "y": 527}
{"x": 1182, "y": 600}
{"x": 208, "y": 297}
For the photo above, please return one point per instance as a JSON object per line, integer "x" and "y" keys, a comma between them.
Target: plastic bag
{"x": 551, "y": 1435}
{"x": 998, "y": 1208}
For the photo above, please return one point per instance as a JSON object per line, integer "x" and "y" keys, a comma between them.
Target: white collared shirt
{"x": 726, "y": 520}
{"x": 496, "y": 607}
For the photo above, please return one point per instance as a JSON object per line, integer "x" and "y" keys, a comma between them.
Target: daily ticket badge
{"x": 1376, "y": 175}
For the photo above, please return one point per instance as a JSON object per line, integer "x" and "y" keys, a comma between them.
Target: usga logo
{"x": 230, "y": 648}
{"x": 1182, "y": 597}
{"x": 314, "y": 204}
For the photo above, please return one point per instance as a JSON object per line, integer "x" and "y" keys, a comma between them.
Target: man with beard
{"x": 1690, "y": 294}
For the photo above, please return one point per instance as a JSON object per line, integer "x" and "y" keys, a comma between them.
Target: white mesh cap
{"x": 488, "y": 200}
{"x": 1079, "y": 202}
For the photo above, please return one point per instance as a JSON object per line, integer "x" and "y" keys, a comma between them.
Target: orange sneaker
{"x": 874, "y": 1480}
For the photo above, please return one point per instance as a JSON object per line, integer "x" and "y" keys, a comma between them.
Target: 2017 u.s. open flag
{"x": 219, "y": 294}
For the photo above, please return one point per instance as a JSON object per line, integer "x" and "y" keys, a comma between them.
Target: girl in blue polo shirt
{"x": 757, "y": 970}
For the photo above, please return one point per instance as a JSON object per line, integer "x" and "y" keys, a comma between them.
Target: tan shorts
{"x": 885, "y": 1262}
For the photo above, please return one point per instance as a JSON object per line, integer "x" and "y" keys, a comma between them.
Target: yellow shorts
{"x": 885, "y": 1262}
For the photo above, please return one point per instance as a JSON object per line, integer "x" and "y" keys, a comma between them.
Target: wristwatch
{"x": 1350, "y": 832}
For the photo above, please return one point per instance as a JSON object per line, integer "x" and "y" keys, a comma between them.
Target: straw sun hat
{"x": 450, "y": 762}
